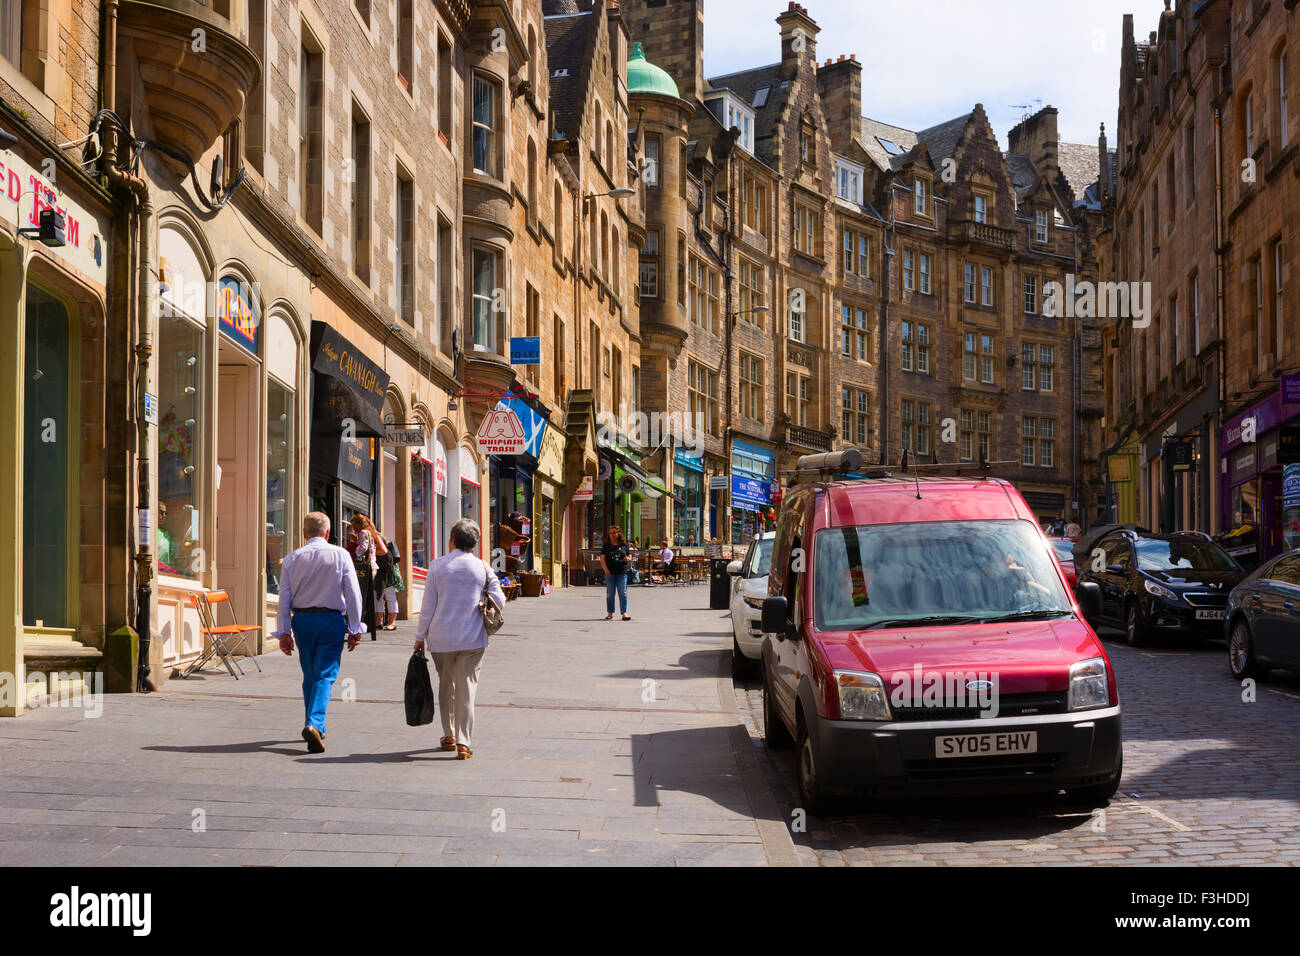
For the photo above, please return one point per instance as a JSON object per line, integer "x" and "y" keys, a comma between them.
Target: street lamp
{"x": 757, "y": 308}
{"x": 622, "y": 192}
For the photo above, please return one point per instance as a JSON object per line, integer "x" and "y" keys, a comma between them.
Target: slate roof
{"x": 873, "y": 131}
{"x": 744, "y": 85}
{"x": 1079, "y": 165}
{"x": 1023, "y": 174}
{"x": 941, "y": 140}
{"x": 566, "y": 41}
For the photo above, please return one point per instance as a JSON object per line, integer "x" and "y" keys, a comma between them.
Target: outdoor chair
{"x": 223, "y": 640}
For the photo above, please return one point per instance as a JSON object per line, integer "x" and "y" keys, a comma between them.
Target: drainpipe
{"x": 121, "y": 181}
{"x": 1220, "y": 358}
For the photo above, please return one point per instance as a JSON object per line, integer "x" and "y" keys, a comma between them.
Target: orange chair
{"x": 223, "y": 639}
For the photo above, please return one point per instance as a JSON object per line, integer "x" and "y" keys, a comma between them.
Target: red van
{"x": 920, "y": 639}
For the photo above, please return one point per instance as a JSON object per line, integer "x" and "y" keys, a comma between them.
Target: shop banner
{"x": 339, "y": 359}
{"x": 750, "y": 491}
{"x": 531, "y": 422}
{"x": 25, "y": 191}
{"x": 501, "y": 433}
{"x": 238, "y": 315}
{"x": 1291, "y": 389}
{"x": 693, "y": 462}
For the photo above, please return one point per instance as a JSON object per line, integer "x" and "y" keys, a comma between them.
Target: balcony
{"x": 982, "y": 234}
{"x": 192, "y": 95}
{"x": 811, "y": 438}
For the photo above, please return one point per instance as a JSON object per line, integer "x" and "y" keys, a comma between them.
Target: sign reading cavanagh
{"x": 338, "y": 357}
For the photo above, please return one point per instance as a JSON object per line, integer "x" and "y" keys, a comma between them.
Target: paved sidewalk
{"x": 597, "y": 743}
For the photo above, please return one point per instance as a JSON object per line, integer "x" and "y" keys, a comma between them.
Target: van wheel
{"x": 810, "y": 792}
{"x": 1241, "y": 653}
{"x": 1135, "y": 633}
{"x": 775, "y": 733}
{"x": 1098, "y": 796}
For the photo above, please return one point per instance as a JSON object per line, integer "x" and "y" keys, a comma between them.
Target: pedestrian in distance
{"x": 613, "y": 561}
{"x": 452, "y": 630}
{"x": 320, "y": 605}
{"x": 386, "y": 581}
{"x": 1073, "y": 529}
{"x": 365, "y": 551}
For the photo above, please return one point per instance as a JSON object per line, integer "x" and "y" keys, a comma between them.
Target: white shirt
{"x": 449, "y": 617}
{"x": 667, "y": 555}
{"x": 319, "y": 574}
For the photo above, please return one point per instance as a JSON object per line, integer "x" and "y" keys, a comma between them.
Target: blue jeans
{"x": 320, "y": 636}
{"x": 616, "y": 582}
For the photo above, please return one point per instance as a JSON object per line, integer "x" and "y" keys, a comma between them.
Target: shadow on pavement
{"x": 691, "y": 664}
{"x": 245, "y": 747}
{"x": 698, "y": 762}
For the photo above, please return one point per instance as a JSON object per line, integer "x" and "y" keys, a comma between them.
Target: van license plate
{"x": 1211, "y": 615}
{"x": 980, "y": 745}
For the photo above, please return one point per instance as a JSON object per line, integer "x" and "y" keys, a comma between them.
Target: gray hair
{"x": 465, "y": 534}
{"x": 316, "y": 524}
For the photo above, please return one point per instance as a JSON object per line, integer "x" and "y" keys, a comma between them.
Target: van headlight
{"x": 862, "y": 696}
{"x": 1088, "y": 684}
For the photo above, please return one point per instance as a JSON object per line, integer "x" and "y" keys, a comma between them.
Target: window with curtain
{"x": 279, "y": 480}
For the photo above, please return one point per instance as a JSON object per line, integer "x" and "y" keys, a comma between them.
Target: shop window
{"x": 421, "y": 511}
{"x": 279, "y": 480}
{"x": 181, "y": 362}
{"x": 48, "y": 441}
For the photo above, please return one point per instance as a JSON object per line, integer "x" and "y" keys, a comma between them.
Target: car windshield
{"x": 1157, "y": 554}
{"x": 1063, "y": 547}
{"x": 760, "y": 561}
{"x": 940, "y": 572}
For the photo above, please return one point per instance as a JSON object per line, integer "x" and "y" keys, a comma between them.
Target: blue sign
{"x": 1291, "y": 389}
{"x": 751, "y": 491}
{"x": 534, "y": 424}
{"x": 526, "y": 350}
{"x": 1291, "y": 486}
{"x": 687, "y": 460}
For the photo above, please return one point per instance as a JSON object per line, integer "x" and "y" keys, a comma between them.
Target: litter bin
{"x": 719, "y": 584}
{"x": 532, "y": 583}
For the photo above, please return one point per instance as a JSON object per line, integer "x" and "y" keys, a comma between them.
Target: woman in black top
{"x": 613, "y": 561}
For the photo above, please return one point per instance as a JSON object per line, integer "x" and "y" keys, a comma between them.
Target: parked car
{"x": 1263, "y": 619}
{"x": 1064, "y": 548}
{"x": 748, "y": 589}
{"x": 880, "y": 585}
{"x": 1161, "y": 583}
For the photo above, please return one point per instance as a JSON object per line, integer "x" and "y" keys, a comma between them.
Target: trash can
{"x": 532, "y": 583}
{"x": 719, "y": 584}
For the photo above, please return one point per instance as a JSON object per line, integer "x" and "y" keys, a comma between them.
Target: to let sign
{"x": 526, "y": 350}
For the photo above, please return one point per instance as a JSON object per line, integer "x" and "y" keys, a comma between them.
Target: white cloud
{"x": 927, "y": 61}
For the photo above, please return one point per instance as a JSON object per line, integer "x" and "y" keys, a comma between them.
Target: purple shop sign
{"x": 1291, "y": 389}
{"x": 1268, "y": 414}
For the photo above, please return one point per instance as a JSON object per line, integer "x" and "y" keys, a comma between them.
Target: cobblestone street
{"x": 1208, "y": 780}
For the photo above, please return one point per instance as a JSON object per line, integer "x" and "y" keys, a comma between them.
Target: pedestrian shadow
{"x": 690, "y": 664}
{"x": 404, "y": 756}
{"x": 243, "y": 747}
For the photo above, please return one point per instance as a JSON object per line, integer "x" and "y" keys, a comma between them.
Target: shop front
{"x": 512, "y": 489}
{"x": 1254, "y": 491}
{"x": 753, "y": 470}
{"x": 688, "y": 499}
{"x": 548, "y": 487}
{"x": 347, "y": 427}
{"x": 1179, "y": 458}
{"x": 54, "y": 465}
{"x": 1122, "y": 483}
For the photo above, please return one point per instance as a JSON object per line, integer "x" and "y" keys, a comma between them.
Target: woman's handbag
{"x": 493, "y": 619}
{"x": 419, "y": 691}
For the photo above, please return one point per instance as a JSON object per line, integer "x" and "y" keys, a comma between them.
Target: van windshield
{"x": 934, "y": 572}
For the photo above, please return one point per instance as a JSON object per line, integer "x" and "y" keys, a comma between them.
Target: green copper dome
{"x": 644, "y": 77}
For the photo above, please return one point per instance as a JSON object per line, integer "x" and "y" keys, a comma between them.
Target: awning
{"x": 634, "y": 467}
{"x": 348, "y": 385}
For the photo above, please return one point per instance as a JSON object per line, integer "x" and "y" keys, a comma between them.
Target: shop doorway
{"x": 241, "y": 551}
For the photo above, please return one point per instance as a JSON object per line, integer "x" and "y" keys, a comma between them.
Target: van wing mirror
{"x": 1114, "y": 569}
{"x": 734, "y": 568}
{"x": 776, "y": 616}
{"x": 1090, "y": 599}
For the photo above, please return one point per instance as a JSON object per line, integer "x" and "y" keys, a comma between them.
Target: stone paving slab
{"x": 597, "y": 744}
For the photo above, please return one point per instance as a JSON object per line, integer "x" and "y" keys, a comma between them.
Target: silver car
{"x": 748, "y": 589}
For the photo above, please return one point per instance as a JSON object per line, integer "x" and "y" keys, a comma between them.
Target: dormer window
{"x": 848, "y": 181}
{"x": 732, "y": 112}
{"x": 981, "y": 208}
{"x": 921, "y": 198}
{"x": 1040, "y": 225}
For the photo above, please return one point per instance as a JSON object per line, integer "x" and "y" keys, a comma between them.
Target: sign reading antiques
{"x": 404, "y": 435}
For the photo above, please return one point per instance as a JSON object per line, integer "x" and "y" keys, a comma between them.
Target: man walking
{"x": 318, "y": 586}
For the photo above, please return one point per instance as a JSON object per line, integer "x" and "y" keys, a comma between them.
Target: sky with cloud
{"x": 926, "y": 61}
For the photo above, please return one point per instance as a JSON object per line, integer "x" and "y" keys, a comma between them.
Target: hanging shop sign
{"x": 237, "y": 313}
{"x": 1180, "y": 455}
{"x": 403, "y": 435}
{"x": 360, "y": 384}
{"x": 586, "y": 491}
{"x": 530, "y": 420}
{"x": 501, "y": 433}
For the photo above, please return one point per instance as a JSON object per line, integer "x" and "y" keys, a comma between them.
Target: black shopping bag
{"x": 419, "y": 691}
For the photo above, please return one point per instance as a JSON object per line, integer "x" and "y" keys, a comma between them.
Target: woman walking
{"x": 365, "y": 553}
{"x": 386, "y": 582}
{"x": 613, "y": 561}
{"x": 451, "y": 628}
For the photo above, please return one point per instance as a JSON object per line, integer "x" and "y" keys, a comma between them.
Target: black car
{"x": 1263, "y": 625}
{"x": 1161, "y": 583}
